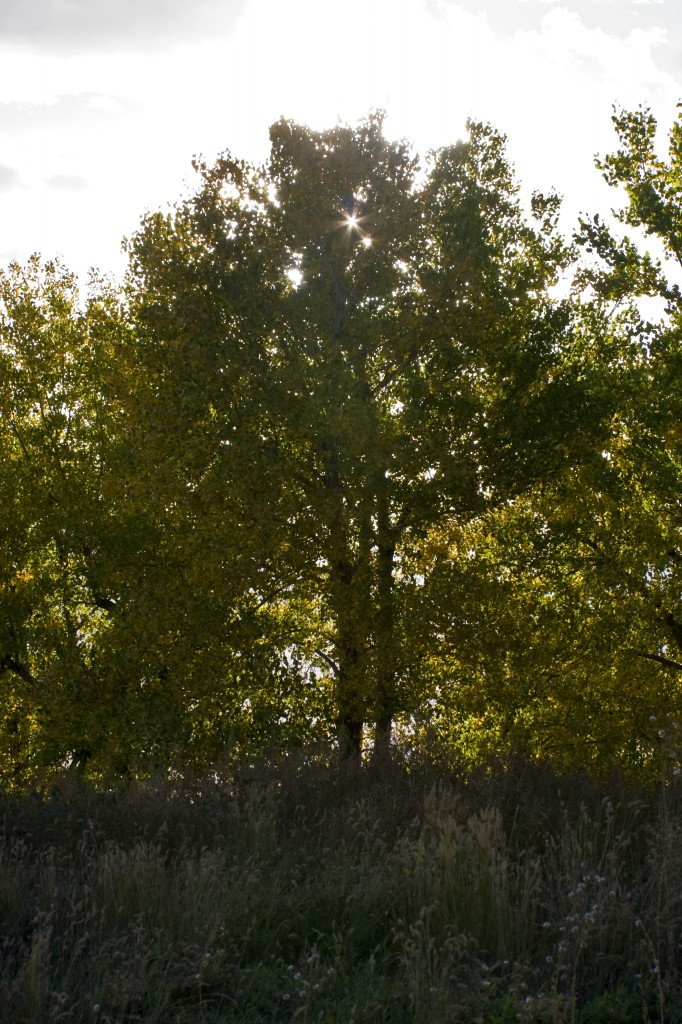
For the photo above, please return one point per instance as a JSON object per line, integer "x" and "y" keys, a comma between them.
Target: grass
{"x": 313, "y": 894}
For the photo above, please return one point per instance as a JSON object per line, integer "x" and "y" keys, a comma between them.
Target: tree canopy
{"x": 363, "y": 452}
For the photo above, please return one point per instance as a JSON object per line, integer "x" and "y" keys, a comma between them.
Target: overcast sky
{"x": 103, "y": 103}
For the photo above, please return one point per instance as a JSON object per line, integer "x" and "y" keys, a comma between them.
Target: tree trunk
{"x": 386, "y": 658}
{"x": 350, "y": 740}
{"x": 382, "y": 740}
{"x": 349, "y": 643}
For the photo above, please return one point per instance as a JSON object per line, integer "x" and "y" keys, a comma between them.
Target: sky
{"x": 103, "y": 103}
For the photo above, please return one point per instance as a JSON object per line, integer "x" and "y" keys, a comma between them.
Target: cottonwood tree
{"x": 567, "y": 641}
{"x": 342, "y": 348}
{"x": 59, "y": 514}
{"x": 634, "y": 544}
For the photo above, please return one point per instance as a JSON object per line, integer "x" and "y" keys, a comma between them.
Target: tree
{"x": 634, "y": 545}
{"x": 58, "y": 523}
{"x": 567, "y": 645}
{"x": 341, "y": 350}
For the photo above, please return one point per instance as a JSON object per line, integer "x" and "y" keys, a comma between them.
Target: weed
{"x": 310, "y": 896}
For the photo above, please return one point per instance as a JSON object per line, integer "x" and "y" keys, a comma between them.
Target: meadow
{"x": 309, "y": 893}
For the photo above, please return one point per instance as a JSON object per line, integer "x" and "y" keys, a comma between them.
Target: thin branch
{"x": 330, "y": 661}
{"x": 668, "y": 662}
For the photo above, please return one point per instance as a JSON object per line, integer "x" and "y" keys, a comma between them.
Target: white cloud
{"x": 9, "y": 178}
{"x": 67, "y": 182}
{"x": 128, "y": 123}
{"x": 108, "y": 104}
{"x": 70, "y": 26}
{"x": 626, "y": 64}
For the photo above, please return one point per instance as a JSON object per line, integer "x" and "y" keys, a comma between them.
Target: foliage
{"x": 362, "y": 448}
{"x": 60, "y": 517}
{"x": 567, "y": 642}
{"x": 354, "y": 336}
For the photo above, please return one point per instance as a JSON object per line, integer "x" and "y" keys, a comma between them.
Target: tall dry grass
{"x": 310, "y": 894}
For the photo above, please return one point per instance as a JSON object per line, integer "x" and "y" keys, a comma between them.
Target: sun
{"x": 352, "y": 223}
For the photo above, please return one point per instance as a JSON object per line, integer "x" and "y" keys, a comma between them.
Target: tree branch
{"x": 9, "y": 664}
{"x": 668, "y": 662}
{"x": 330, "y": 661}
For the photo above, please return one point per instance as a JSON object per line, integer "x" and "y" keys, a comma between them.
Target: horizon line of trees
{"x": 340, "y": 464}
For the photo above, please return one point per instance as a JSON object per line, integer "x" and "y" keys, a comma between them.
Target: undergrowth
{"x": 317, "y": 895}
